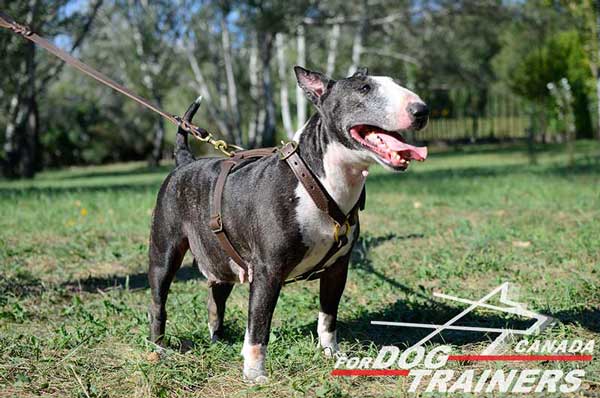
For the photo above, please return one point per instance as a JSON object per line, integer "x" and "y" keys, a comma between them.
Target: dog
{"x": 270, "y": 218}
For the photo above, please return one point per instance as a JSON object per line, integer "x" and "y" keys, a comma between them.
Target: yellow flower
{"x": 84, "y": 212}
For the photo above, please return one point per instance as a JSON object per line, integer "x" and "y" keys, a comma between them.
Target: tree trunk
{"x": 257, "y": 118}
{"x": 221, "y": 90}
{"x": 158, "y": 141}
{"x": 334, "y": 36}
{"x": 13, "y": 139}
{"x": 268, "y": 133}
{"x": 531, "y": 129}
{"x": 232, "y": 96}
{"x": 357, "y": 42}
{"x": 202, "y": 87}
{"x": 148, "y": 82}
{"x": 301, "y": 61}
{"x": 21, "y": 140}
{"x": 598, "y": 103}
{"x": 283, "y": 86}
{"x": 30, "y": 161}
{"x": 597, "y": 9}
{"x": 27, "y": 134}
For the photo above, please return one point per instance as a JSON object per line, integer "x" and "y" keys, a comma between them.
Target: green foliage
{"x": 562, "y": 56}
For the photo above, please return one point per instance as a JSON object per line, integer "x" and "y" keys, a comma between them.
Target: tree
{"x": 562, "y": 56}
{"x": 588, "y": 12}
{"x": 32, "y": 72}
{"x": 148, "y": 31}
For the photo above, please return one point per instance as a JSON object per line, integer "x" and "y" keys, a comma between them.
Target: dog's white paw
{"x": 328, "y": 342}
{"x": 255, "y": 376}
{"x": 254, "y": 362}
{"x": 332, "y": 351}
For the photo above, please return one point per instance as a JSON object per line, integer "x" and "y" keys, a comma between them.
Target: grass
{"x": 73, "y": 293}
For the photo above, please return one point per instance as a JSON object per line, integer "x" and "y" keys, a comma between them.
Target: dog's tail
{"x": 183, "y": 155}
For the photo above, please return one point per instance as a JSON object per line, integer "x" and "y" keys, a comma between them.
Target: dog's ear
{"x": 361, "y": 72}
{"x": 314, "y": 84}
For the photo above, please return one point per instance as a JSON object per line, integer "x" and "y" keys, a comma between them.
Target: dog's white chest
{"x": 317, "y": 229}
{"x": 344, "y": 182}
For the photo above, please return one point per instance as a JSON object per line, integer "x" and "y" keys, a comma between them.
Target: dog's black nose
{"x": 418, "y": 110}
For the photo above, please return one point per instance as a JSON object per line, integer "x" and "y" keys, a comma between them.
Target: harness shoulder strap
{"x": 313, "y": 186}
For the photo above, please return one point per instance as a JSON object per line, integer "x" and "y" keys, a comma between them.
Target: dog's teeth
{"x": 395, "y": 156}
{"x": 373, "y": 138}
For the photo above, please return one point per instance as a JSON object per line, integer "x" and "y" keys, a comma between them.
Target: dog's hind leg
{"x": 331, "y": 287}
{"x": 217, "y": 296}
{"x": 166, "y": 256}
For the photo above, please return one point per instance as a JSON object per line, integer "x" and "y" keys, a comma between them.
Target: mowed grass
{"x": 73, "y": 290}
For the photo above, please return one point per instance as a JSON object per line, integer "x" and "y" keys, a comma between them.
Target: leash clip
{"x": 222, "y": 146}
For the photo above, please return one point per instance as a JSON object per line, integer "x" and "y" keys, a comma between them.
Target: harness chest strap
{"x": 315, "y": 189}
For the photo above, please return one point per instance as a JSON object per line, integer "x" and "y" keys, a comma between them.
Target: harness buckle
{"x": 285, "y": 152}
{"x": 336, "y": 230}
{"x": 216, "y": 223}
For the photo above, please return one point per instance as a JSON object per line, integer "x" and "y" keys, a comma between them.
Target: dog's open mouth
{"x": 389, "y": 146}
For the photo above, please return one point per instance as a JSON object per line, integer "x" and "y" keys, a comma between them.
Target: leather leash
{"x": 198, "y": 132}
{"x": 288, "y": 153}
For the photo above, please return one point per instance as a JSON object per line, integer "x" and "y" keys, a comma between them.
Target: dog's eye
{"x": 365, "y": 89}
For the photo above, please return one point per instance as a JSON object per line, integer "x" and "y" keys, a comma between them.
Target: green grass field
{"x": 73, "y": 290}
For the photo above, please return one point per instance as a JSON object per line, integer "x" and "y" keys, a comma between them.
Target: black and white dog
{"x": 270, "y": 217}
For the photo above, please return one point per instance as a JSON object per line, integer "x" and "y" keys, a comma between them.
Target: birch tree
{"x": 257, "y": 117}
{"x": 199, "y": 84}
{"x": 232, "y": 96}
{"x": 357, "y": 41}
{"x": 334, "y": 35}
{"x": 153, "y": 30}
{"x": 283, "y": 85}
{"x": 301, "y": 54}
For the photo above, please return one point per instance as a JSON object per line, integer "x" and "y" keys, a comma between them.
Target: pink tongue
{"x": 416, "y": 152}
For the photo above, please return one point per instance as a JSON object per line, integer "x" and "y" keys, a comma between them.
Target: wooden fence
{"x": 504, "y": 117}
{"x": 463, "y": 128}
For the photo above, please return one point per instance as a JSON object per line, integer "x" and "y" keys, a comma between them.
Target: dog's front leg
{"x": 331, "y": 287}
{"x": 264, "y": 292}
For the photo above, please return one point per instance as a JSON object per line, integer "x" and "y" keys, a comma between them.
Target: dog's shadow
{"x": 418, "y": 306}
{"x": 135, "y": 281}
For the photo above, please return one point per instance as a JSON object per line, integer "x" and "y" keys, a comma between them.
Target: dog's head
{"x": 368, "y": 115}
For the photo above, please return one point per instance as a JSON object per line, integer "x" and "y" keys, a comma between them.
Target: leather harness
{"x": 313, "y": 186}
